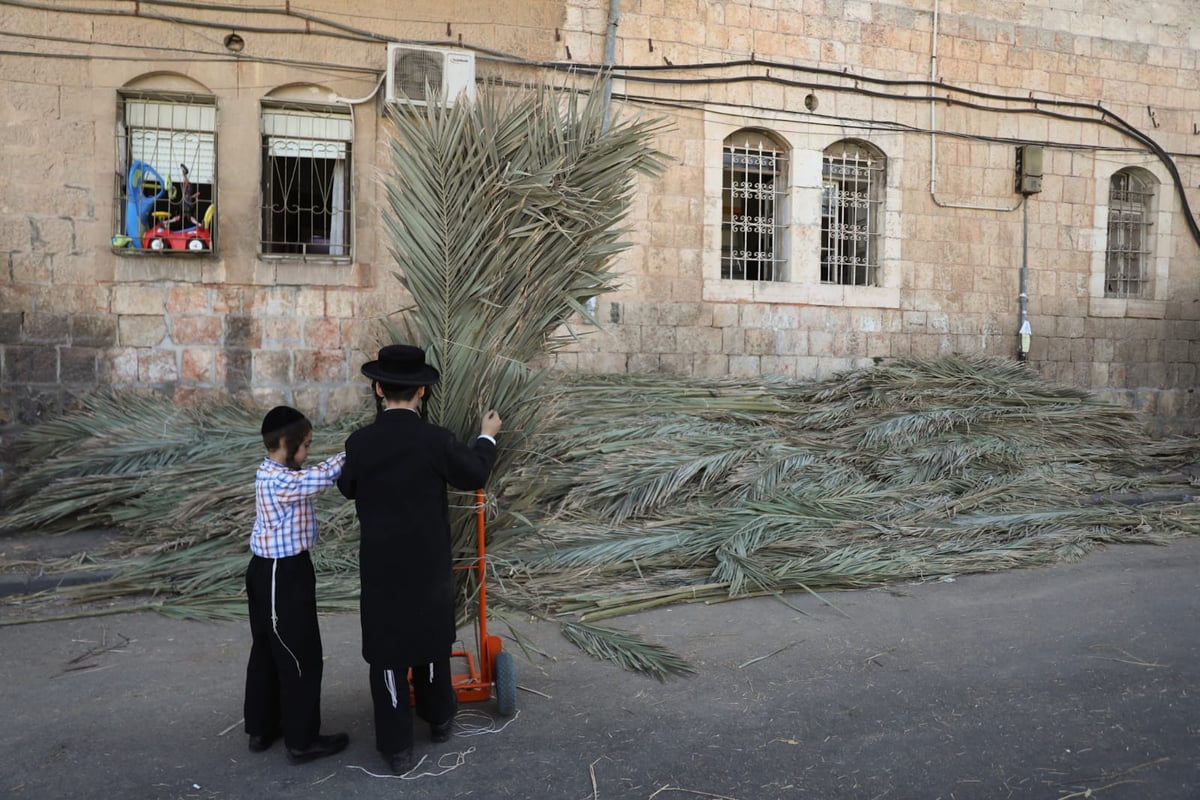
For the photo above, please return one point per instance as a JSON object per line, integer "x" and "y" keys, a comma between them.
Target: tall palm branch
{"x": 505, "y": 215}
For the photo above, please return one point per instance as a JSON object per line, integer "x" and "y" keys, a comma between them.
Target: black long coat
{"x": 396, "y": 471}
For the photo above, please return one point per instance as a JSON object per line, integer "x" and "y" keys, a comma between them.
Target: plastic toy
{"x": 138, "y": 203}
{"x": 195, "y": 238}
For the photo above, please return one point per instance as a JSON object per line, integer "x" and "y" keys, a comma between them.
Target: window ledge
{"x": 823, "y": 294}
{"x": 1127, "y": 307}
{"x": 145, "y": 267}
{"x": 287, "y": 258}
{"x": 309, "y": 273}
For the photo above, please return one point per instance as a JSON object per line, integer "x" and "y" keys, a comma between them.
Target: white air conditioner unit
{"x": 416, "y": 73}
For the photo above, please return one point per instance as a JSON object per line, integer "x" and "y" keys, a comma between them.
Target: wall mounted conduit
{"x": 933, "y": 132}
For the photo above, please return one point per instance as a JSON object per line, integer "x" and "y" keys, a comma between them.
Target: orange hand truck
{"x": 495, "y": 668}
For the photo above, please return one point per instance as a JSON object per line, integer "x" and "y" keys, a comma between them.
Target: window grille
{"x": 1127, "y": 257}
{"x": 753, "y": 200}
{"x": 306, "y": 181}
{"x": 166, "y": 174}
{"x": 851, "y": 213}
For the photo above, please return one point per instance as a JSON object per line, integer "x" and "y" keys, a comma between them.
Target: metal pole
{"x": 610, "y": 55}
{"x": 1024, "y": 331}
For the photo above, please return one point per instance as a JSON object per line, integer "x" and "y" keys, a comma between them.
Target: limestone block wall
{"x": 76, "y": 314}
{"x": 957, "y": 234}
{"x": 944, "y": 89}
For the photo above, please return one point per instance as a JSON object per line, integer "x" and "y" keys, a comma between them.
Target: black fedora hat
{"x": 401, "y": 365}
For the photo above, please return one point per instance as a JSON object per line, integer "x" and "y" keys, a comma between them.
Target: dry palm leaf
{"x": 642, "y": 491}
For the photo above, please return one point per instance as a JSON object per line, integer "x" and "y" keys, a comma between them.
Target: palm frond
{"x": 627, "y": 649}
{"x": 504, "y": 218}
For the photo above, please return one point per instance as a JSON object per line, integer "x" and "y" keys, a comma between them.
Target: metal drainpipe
{"x": 1024, "y": 332}
{"x": 610, "y": 55}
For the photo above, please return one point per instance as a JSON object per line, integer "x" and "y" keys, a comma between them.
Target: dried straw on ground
{"x": 642, "y": 491}
{"x": 651, "y": 491}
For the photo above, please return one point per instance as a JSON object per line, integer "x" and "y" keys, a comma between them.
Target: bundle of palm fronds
{"x": 646, "y": 490}
{"x": 654, "y": 491}
{"x": 505, "y": 214}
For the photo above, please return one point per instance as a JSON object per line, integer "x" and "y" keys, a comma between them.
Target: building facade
{"x": 193, "y": 199}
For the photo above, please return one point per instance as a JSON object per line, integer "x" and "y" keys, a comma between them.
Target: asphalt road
{"x": 1040, "y": 683}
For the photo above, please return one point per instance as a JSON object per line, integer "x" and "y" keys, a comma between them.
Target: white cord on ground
{"x": 470, "y": 722}
{"x": 458, "y": 759}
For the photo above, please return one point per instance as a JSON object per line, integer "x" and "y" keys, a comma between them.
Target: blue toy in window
{"x": 137, "y": 203}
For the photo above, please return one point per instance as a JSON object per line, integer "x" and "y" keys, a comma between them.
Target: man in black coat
{"x": 396, "y": 471}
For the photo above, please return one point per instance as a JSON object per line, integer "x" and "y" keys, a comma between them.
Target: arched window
{"x": 1127, "y": 269}
{"x": 852, "y": 183}
{"x": 753, "y": 207}
{"x": 166, "y": 167}
{"x": 306, "y": 180}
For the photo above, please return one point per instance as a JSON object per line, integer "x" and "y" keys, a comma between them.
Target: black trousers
{"x": 433, "y": 696}
{"x": 283, "y": 676}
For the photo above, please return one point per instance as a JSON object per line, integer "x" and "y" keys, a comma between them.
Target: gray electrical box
{"x": 1029, "y": 168}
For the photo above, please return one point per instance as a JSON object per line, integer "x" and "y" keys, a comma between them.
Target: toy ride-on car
{"x": 195, "y": 238}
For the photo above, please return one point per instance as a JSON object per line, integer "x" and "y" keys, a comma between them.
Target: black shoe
{"x": 320, "y": 747}
{"x": 441, "y": 733}
{"x": 399, "y": 763}
{"x": 259, "y": 744}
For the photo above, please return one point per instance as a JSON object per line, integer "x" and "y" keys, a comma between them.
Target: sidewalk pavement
{"x": 1038, "y": 683}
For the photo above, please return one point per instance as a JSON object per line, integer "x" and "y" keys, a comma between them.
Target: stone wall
{"x": 76, "y": 315}
{"x": 957, "y": 234}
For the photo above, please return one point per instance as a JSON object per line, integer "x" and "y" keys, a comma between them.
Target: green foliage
{"x": 504, "y": 217}
{"x": 629, "y": 650}
{"x": 642, "y": 491}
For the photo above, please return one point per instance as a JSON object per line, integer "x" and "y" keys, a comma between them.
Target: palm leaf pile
{"x": 178, "y": 483}
{"x": 654, "y": 491}
{"x": 641, "y": 491}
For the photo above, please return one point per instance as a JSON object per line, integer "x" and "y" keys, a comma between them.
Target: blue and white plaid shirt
{"x": 284, "y": 521}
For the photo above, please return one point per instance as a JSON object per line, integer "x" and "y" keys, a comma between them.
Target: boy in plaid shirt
{"x": 283, "y": 676}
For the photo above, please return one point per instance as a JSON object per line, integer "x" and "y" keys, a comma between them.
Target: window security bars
{"x": 1127, "y": 256}
{"x": 752, "y": 201}
{"x": 851, "y": 210}
{"x": 166, "y": 174}
{"x": 306, "y": 182}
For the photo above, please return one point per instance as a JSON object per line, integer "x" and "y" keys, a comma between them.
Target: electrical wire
{"x": 339, "y": 32}
{"x": 869, "y": 125}
{"x": 638, "y": 74}
{"x": 1107, "y": 119}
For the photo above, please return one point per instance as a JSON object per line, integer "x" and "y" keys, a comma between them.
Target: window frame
{"x": 769, "y": 225}
{"x": 182, "y": 205}
{"x": 284, "y": 135}
{"x": 1129, "y": 239}
{"x": 1153, "y": 303}
{"x": 855, "y": 215}
{"x": 801, "y": 285}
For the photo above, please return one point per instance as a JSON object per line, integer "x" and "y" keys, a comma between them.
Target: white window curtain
{"x": 337, "y": 224}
